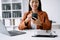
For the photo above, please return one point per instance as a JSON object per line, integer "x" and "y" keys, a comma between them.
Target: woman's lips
{"x": 34, "y": 6}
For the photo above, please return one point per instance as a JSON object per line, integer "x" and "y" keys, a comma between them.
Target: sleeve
{"x": 47, "y": 23}
{"x": 22, "y": 24}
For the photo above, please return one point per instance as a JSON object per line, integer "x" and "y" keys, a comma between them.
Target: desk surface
{"x": 28, "y": 36}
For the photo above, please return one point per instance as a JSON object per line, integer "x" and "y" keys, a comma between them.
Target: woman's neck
{"x": 34, "y": 11}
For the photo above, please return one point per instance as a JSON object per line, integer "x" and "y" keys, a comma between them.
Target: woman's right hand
{"x": 28, "y": 18}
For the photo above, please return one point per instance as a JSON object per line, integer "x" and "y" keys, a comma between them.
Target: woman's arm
{"x": 47, "y": 24}
{"x": 22, "y": 24}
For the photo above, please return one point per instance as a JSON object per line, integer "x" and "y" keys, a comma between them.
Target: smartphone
{"x": 34, "y": 16}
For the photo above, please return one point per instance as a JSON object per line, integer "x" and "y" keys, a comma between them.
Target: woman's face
{"x": 34, "y": 4}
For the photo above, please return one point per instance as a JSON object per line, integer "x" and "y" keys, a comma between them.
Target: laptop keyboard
{"x": 14, "y": 33}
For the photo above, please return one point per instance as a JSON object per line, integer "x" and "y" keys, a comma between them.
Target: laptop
{"x": 4, "y": 30}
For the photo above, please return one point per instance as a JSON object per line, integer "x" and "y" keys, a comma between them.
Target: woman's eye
{"x": 34, "y": 1}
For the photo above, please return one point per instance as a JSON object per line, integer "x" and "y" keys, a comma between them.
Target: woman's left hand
{"x": 37, "y": 21}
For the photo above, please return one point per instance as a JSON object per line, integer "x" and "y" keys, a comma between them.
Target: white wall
{"x": 25, "y": 6}
{"x": 0, "y": 10}
{"x": 52, "y": 7}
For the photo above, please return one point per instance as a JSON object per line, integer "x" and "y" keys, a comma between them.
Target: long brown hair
{"x": 39, "y": 6}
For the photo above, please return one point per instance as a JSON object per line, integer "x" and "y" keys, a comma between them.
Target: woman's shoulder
{"x": 27, "y": 12}
{"x": 43, "y": 12}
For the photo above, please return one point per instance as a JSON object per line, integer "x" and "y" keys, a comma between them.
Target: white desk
{"x": 28, "y": 36}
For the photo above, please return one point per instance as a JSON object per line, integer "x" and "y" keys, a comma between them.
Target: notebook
{"x": 43, "y": 33}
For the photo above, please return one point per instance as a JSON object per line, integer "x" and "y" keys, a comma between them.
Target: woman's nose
{"x": 34, "y": 3}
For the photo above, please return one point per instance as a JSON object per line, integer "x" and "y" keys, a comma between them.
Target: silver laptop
{"x": 4, "y": 30}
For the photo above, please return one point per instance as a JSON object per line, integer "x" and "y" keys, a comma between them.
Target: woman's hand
{"x": 28, "y": 18}
{"x": 37, "y": 21}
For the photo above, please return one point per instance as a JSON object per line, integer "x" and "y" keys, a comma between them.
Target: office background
{"x": 52, "y": 7}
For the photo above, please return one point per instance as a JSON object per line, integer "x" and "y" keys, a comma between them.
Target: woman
{"x": 41, "y": 22}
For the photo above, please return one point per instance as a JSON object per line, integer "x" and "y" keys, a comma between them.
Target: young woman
{"x": 30, "y": 22}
